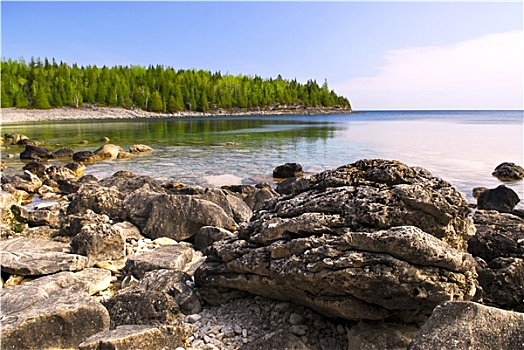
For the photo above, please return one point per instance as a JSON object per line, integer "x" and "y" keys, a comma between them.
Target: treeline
{"x": 47, "y": 84}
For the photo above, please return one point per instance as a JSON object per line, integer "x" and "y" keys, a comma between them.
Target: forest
{"x": 44, "y": 84}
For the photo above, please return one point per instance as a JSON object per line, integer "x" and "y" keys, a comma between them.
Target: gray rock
{"x": 174, "y": 216}
{"x": 60, "y": 173}
{"x": 72, "y": 224}
{"x": 171, "y": 257}
{"x": 498, "y": 235}
{"x": 99, "y": 242}
{"x": 256, "y": 199}
{"x": 467, "y": 325}
{"x": 135, "y": 337}
{"x": 27, "y": 182}
{"x": 207, "y": 235}
{"x": 49, "y": 312}
{"x": 371, "y": 240}
{"x": 502, "y": 199}
{"x": 101, "y": 200}
{"x": 508, "y": 172}
{"x": 31, "y": 256}
{"x": 379, "y": 335}
{"x": 175, "y": 284}
{"x": 136, "y": 306}
{"x": 288, "y": 170}
{"x": 279, "y": 339}
{"x": 127, "y": 183}
{"x": 502, "y": 282}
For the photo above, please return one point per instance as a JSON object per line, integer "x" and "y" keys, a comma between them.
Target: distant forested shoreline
{"x": 48, "y": 84}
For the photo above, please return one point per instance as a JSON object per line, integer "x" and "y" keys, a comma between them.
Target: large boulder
{"x": 371, "y": 240}
{"x": 31, "y": 256}
{"x": 467, "y": 325}
{"x": 508, "y": 172}
{"x": 101, "y": 200}
{"x": 174, "y": 216}
{"x": 172, "y": 257}
{"x": 53, "y": 312}
{"x": 99, "y": 242}
{"x": 502, "y": 199}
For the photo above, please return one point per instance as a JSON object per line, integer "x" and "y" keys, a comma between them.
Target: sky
{"x": 380, "y": 55}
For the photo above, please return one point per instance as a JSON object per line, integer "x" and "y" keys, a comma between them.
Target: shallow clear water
{"x": 463, "y": 147}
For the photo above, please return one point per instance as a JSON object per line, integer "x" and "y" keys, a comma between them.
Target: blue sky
{"x": 381, "y": 55}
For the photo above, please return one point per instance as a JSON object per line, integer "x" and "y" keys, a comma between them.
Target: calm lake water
{"x": 463, "y": 147}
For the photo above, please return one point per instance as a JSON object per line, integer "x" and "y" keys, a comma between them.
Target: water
{"x": 463, "y": 147}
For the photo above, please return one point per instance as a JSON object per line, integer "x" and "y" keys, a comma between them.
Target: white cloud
{"x": 482, "y": 73}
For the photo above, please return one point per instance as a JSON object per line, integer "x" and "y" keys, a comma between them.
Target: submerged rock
{"x": 508, "y": 172}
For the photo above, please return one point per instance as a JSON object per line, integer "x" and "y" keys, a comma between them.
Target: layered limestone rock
{"x": 372, "y": 240}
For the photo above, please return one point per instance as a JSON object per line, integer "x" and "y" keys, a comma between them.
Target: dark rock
{"x": 380, "y": 335}
{"x": 207, "y": 235}
{"x": 63, "y": 153}
{"x": 36, "y": 167}
{"x": 360, "y": 242}
{"x": 279, "y": 339}
{"x": 502, "y": 282}
{"x": 175, "y": 284}
{"x": 78, "y": 168}
{"x": 50, "y": 312}
{"x": 286, "y": 186}
{"x": 467, "y": 325}
{"x": 498, "y": 235}
{"x": 60, "y": 173}
{"x": 288, "y": 170}
{"x": 101, "y": 200}
{"x": 27, "y": 182}
{"x": 29, "y": 142}
{"x": 256, "y": 199}
{"x": 14, "y": 138}
{"x": 36, "y": 152}
{"x": 30, "y": 256}
{"x": 140, "y": 148}
{"x": 136, "y": 306}
{"x": 171, "y": 257}
{"x": 87, "y": 157}
{"x": 502, "y": 199}
{"x": 508, "y": 172}
{"x": 99, "y": 242}
{"x": 135, "y": 337}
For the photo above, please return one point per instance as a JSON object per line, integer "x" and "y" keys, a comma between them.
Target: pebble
{"x": 296, "y": 319}
{"x": 298, "y": 329}
{"x": 194, "y": 318}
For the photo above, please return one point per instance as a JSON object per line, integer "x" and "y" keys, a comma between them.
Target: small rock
{"x": 194, "y": 318}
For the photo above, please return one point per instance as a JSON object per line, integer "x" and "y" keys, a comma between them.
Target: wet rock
{"x": 380, "y": 335}
{"x": 36, "y": 167}
{"x": 172, "y": 257}
{"x": 30, "y": 256}
{"x": 87, "y": 157}
{"x": 99, "y": 242}
{"x": 288, "y": 170}
{"x": 174, "y": 283}
{"x": 207, "y": 235}
{"x": 14, "y": 138}
{"x": 36, "y": 152}
{"x": 136, "y": 306}
{"x": 508, "y": 172}
{"x": 467, "y": 325}
{"x": 78, "y": 168}
{"x": 498, "y": 235}
{"x": 63, "y": 153}
{"x": 135, "y": 337}
{"x": 502, "y": 199}
{"x": 371, "y": 240}
{"x": 50, "y": 312}
{"x": 108, "y": 151}
{"x": 140, "y": 148}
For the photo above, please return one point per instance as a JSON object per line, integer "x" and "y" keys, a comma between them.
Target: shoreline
{"x": 21, "y": 115}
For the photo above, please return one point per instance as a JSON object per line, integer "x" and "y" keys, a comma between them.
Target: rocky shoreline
{"x": 375, "y": 254}
{"x": 17, "y": 115}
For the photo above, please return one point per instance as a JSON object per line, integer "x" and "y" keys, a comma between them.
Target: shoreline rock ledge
{"x": 371, "y": 240}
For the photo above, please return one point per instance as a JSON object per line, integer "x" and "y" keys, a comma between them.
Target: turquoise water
{"x": 463, "y": 147}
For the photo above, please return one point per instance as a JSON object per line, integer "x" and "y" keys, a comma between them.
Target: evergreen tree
{"x": 156, "y": 102}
